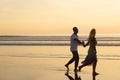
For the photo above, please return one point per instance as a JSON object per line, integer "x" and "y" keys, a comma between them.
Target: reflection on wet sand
{"x": 76, "y": 77}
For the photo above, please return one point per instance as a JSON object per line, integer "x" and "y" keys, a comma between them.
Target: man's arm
{"x": 80, "y": 42}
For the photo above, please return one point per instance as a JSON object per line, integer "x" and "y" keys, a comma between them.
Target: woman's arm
{"x": 86, "y": 44}
{"x": 95, "y": 45}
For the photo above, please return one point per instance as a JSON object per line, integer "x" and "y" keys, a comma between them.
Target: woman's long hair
{"x": 92, "y": 35}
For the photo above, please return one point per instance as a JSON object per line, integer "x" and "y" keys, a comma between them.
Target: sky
{"x": 35, "y": 17}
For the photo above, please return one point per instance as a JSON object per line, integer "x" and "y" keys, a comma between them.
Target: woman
{"x": 91, "y": 58}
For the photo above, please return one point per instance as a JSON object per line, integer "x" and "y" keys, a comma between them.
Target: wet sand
{"x": 27, "y": 68}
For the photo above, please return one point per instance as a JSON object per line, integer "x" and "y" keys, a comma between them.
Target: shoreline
{"x": 14, "y": 68}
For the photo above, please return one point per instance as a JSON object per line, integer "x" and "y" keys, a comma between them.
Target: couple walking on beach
{"x": 91, "y": 58}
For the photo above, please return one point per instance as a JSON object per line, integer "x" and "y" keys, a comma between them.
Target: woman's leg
{"x": 94, "y": 68}
{"x": 83, "y": 65}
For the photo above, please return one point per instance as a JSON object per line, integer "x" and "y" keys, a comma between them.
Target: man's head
{"x": 75, "y": 30}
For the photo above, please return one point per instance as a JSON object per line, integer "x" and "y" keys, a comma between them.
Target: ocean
{"x": 56, "y": 40}
{"x": 36, "y": 57}
{"x": 55, "y": 46}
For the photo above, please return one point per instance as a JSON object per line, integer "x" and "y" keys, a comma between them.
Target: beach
{"x": 53, "y": 69}
{"x": 38, "y": 38}
{"x": 47, "y": 63}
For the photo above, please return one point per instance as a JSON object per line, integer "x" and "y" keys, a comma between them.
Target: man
{"x": 74, "y": 49}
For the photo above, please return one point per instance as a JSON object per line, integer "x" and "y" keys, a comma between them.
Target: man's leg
{"x": 70, "y": 61}
{"x": 76, "y": 57}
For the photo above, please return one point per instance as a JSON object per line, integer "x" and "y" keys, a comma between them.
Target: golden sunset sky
{"x": 19, "y": 17}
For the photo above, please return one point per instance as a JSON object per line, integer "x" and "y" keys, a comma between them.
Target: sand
{"x": 27, "y": 68}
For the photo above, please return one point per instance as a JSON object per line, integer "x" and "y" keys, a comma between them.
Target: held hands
{"x": 83, "y": 43}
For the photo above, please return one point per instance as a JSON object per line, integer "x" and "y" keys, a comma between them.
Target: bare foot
{"x": 95, "y": 73}
{"x": 67, "y": 72}
{"x": 67, "y": 67}
{"x": 79, "y": 68}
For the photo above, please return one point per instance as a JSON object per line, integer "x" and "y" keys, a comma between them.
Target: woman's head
{"x": 92, "y": 34}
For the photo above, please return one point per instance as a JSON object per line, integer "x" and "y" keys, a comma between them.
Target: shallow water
{"x": 103, "y": 52}
{"x": 47, "y": 63}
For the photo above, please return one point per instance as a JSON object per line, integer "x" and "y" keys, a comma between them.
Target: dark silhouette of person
{"x": 94, "y": 77}
{"x": 91, "y": 58}
{"x": 71, "y": 78}
{"x": 73, "y": 47}
{"x": 76, "y": 77}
